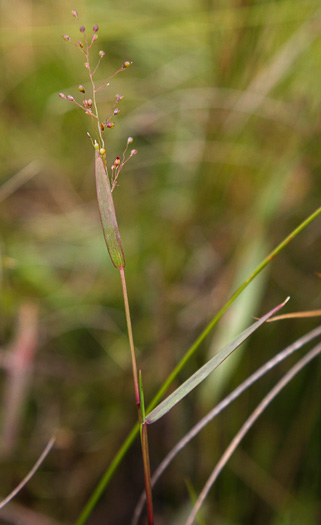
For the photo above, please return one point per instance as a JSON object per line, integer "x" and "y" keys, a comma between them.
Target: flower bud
{"x": 74, "y": 13}
{"x": 102, "y": 151}
{"x": 119, "y": 98}
{"x": 82, "y": 29}
{"x": 111, "y": 125}
{"x": 133, "y": 152}
{"x": 62, "y": 95}
{"x": 70, "y": 98}
{"x": 94, "y": 37}
{"x": 95, "y": 28}
{"x": 101, "y": 54}
{"x": 66, "y": 37}
{"x": 126, "y": 64}
{"x": 130, "y": 140}
{"x": 116, "y": 111}
{"x": 117, "y": 162}
{"x": 80, "y": 44}
{"x": 102, "y": 127}
{"x": 96, "y": 145}
{"x": 89, "y": 103}
{"x": 81, "y": 89}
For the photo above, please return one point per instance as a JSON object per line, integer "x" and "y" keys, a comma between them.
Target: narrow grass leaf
{"x": 107, "y": 213}
{"x": 206, "y": 369}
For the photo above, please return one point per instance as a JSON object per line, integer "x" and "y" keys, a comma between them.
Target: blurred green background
{"x": 223, "y": 102}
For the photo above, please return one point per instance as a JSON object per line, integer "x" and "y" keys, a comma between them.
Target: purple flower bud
{"x": 94, "y": 37}
{"x": 119, "y": 98}
{"x": 71, "y": 98}
{"x": 101, "y": 54}
{"x": 62, "y": 95}
{"x": 130, "y": 140}
{"x": 80, "y": 44}
{"x": 81, "y": 89}
{"x": 95, "y": 28}
{"x": 111, "y": 125}
{"x": 66, "y": 37}
{"x": 116, "y": 111}
{"x": 133, "y": 152}
{"x": 82, "y": 29}
{"x": 74, "y": 13}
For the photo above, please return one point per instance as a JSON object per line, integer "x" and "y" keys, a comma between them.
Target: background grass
{"x": 223, "y": 100}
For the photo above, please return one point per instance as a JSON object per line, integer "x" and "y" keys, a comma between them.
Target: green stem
{"x": 133, "y": 433}
{"x": 131, "y": 339}
{"x": 139, "y": 401}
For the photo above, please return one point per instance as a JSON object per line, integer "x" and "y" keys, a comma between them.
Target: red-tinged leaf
{"x": 206, "y": 369}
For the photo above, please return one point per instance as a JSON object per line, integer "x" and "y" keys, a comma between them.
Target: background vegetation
{"x": 223, "y": 101}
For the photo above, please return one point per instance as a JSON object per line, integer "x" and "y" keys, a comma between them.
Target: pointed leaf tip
{"x": 201, "y": 374}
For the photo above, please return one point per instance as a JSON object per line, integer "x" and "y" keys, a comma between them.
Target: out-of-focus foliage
{"x": 223, "y": 102}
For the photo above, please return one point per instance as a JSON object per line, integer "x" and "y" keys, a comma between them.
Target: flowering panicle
{"x": 89, "y": 104}
{"x": 104, "y": 185}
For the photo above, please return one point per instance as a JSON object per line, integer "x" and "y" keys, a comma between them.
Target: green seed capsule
{"x": 107, "y": 214}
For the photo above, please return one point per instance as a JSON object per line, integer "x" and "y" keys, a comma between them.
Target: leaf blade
{"x": 201, "y": 374}
{"x": 107, "y": 214}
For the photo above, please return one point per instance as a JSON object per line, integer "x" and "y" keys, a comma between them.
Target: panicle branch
{"x": 89, "y": 103}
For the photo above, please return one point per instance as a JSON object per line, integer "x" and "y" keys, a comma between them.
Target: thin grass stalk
{"x": 139, "y": 403}
{"x": 248, "y": 424}
{"x": 30, "y": 474}
{"x": 294, "y": 347}
{"x": 107, "y": 476}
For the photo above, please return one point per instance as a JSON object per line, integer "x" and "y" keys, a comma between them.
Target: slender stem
{"x": 143, "y": 427}
{"x": 148, "y": 483}
{"x": 130, "y": 336}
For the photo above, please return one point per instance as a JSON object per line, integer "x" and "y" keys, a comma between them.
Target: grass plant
{"x": 222, "y": 104}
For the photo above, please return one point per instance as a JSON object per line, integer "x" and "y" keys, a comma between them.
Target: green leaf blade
{"x": 201, "y": 374}
{"x": 107, "y": 214}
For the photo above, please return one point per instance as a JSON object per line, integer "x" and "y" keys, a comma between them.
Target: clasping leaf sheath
{"x": 107, "y": 213}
